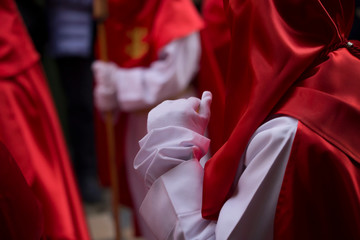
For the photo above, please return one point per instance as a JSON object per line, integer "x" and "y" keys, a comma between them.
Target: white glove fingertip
{"x": 205, "y": 104}
{"x": 206, "y": 94}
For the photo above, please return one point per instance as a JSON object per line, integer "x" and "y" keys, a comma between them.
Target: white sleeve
{"x": 143, "y": 87}
{"x": 250, "y": 212}
{"x": 172, "y": 207}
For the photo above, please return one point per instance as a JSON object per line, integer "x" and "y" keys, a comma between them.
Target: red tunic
{"x": 32, "y": 133}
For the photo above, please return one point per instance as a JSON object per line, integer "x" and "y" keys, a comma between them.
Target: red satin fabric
{"x": 273, "y": 44}
{"x": 320, "y": 194}
{"x": 31, "y": 131}
{"x": 21, "y": 216}
{"x": 215, "y": 42}
{"x": 327, "y": 100}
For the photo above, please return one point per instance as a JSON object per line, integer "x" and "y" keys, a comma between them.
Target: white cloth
{"x": 143, "y": 87}
{"x": 172, "y": 206}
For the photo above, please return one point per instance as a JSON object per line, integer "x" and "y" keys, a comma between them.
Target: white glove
{"x": 191, "y": 113}
{"x": 105, "y": 86}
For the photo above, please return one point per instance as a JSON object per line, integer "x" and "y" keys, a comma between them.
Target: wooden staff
{"x": 100, "y": 14}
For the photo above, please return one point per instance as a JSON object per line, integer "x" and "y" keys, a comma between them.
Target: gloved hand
{"x": 105, "y": 86}
{"x": 191, "y": 113}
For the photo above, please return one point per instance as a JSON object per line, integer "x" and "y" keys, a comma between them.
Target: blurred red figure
{"x": 21, "y": 216}
{"x": 154, "y": 50}
{"x": 32, "y": 133}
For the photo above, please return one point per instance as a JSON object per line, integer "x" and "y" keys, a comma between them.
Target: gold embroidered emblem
{"x": 137, "y": 48}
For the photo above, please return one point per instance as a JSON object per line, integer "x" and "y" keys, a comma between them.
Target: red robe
{"x": 134, "y": 38}
{"x": 21, "y": 216}
{"x": 30, "y": 129}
